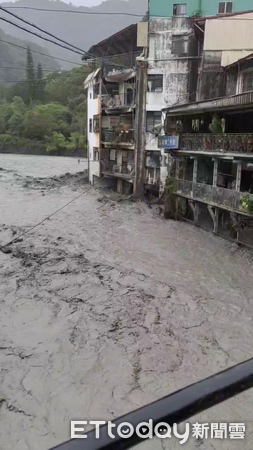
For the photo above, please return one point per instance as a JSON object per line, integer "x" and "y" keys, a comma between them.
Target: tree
{"x": 16, "y": 122}
{"x": 57, "y": 143}
{"x": 44, "y": 120}
{"x": 40, "y": 84}
{"x": 146, "y": 17}
{"x": 30, "y": 76}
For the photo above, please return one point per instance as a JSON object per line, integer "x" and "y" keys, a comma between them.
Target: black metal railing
{"x": 173, "y": 409}
{"x": 227, "y": 198}
{"x": 209, "y": 142}
{"x": 118, "y": 136}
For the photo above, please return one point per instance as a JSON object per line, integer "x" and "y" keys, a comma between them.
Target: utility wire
{"x": 44, "y": 220}
{"x": 76, "y": 49}
{"x": 41, "y": 37}
{"x": 114, "y": 13}
{"x": 40, "y": 53}
{"x": 40, "y": 29}
{"x": 72, "y": 47}
{"x": 92, "y": 13}
{"x": 24, "y": 68}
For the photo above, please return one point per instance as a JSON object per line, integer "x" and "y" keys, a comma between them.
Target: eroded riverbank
{"x": 107, "y": 307}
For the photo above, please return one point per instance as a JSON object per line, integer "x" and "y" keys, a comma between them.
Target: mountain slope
{"x": 82, "y": 30}
{"x": 13, "y": 59}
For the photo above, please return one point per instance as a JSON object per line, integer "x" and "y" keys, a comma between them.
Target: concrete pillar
{"x": 140, "y": 126}
{"x": 195, "y": 209}
{"x": 119, "y": 186}
{"x": 238, "y": 177}
{"x": 215, "y": 172}
{"x": 177, "y": 163}
{"x": 119, "y": 158}
{"x": 214, "y": 213}
{"x": 195, "y": 170}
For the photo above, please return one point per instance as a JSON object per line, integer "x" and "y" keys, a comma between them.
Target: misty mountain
{"x": 81, "y": 30}
{"x": 13, "y": 58}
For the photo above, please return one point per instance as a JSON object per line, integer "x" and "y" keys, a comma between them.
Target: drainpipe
{"x": 200, "y": 6}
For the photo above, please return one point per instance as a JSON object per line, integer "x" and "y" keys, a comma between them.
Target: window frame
{"x": 91, "y": 125}
{"x": 148, "y": 116}
{"x": 152, "y": 77}
{"x": 225, "y": 7}
{"x": 96, "y": 124}
{"x": 179, "y": 5}
{"x": 244, "y": 76}
{"x": 179, "y": 37}
{"x": 95, "y": 154}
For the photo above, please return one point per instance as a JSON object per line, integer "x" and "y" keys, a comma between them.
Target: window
{"x": 96, "y": 153}
{"x": 96, "y": 124}
{"x": 247, "y": 84}
{"x": 180, "y": 45}
{"x": 112, "y": 155}
{"x": 225, "y": 8}
{"x": 154, "y": 118}
{"x": 90, "y": 125}
{"x": 155, "y": 83}
{"x": 96, "y": 90}
{"x": 179, "y": 9}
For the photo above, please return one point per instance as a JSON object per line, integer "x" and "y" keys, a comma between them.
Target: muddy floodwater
{"x": 107, "y": 307}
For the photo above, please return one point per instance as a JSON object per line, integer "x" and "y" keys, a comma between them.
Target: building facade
{"x": 111, "y": 94}
{"x": 170, "y": 104}
{"x": 191, "y": 8}
{"x": 210, "y": 170}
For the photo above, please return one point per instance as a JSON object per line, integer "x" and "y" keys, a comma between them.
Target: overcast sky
{"x": 74, "y": 2}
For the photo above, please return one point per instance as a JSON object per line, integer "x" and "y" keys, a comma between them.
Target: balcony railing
{"x": 118, "y": 101}
{"x": 124, "y": 137}
{"x": 206, "y": 193}
{"x": 125, "y": 170}
{"x": 228, "y": 143}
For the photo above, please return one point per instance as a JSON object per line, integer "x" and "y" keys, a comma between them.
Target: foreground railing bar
{"x": 174, "y": 408}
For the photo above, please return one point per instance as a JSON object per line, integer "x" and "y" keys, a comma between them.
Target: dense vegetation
{"x": 44, "y": 112}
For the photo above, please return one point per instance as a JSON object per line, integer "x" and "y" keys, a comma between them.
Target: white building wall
{"x": 175, "y": 71}
{"x": 94, "y": 108}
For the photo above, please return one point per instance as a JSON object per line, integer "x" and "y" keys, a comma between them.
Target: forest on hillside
{"x": 45, "y": 112}
{"x": 13, "y": 58}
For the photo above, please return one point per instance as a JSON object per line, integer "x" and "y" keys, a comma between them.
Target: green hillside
{"x": 13, "y": 58}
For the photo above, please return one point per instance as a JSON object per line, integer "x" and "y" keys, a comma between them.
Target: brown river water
{"x": 106, "y": 307}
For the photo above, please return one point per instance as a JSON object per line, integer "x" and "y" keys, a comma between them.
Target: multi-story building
{"x": 174, "y": 57}
{"x": 209, "y": 142}
{"x": 111, "y": 93}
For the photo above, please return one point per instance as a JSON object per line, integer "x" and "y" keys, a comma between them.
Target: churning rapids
{"x": 106, "y": 307}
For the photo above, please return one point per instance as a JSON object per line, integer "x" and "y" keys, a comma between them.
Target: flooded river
{"x": 107, "y": 307}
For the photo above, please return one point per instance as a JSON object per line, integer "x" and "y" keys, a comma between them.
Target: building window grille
{"x": 96, "y": 124}
{"x": 154, "y": 118}
{"x": 179, "y": 9}
{"x": 180, "y": 45}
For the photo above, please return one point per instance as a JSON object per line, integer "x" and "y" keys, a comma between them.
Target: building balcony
{"x": 123, "y": 138}
{"x": 118, "y": 102}
{"x": 216, "y": 196}
{"x": 124, "y": 171}
{"x": 217, "y": 143}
